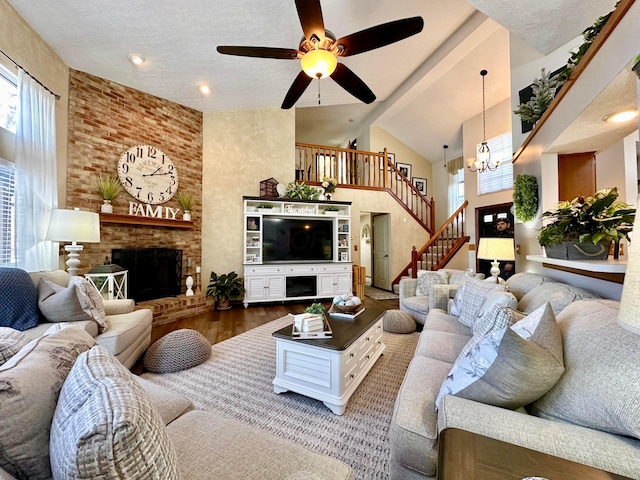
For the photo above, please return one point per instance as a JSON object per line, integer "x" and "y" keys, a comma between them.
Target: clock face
{"x": 148, "y": 174}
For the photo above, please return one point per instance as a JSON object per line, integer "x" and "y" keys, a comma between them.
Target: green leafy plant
{"x": 596, "y": 219}
{"x": 525, "y": 197}
{"x": 264, "y": 205}
{"x": 185, "y": 199}
{"x": 225, "y": 287}
{"x": 329, "y": 184}
{"x": 636, "y": 65}
{"x": 301, "y": 191}
{"x": 331, "y": 208}
{"x": 108, "y": 187}
{"x": 315, "y": 308}
{"x": 544, "y": 90}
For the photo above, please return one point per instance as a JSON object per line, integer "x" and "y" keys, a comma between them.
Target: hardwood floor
{"x": 218, "y": 325}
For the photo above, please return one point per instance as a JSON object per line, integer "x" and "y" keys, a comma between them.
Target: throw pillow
{"x": 106, "y": 427}
{"x": 95, "y": 307}
{"x": 18, "y": 299}
{"x": 426, "y": 280}
{"x": 510, "y": 367}
{"x": 475, "y": 292}
{"x": 11, "y": 341}
{"x": 30, "y": 383}
{"x": 67, "y": 304}
{"x": 456, "y": 305}
{"x": 491, "y": 318}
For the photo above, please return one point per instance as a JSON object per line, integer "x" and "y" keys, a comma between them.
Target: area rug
{"x": 236, "y": 383}
{"x": 378, "y": 294}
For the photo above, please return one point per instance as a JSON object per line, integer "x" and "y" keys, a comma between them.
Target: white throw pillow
{"x": 95, "y": 307}
{"x": 426, "y": 280}
{"x": 106, "y": 427}
{"x": 475, "y": 292}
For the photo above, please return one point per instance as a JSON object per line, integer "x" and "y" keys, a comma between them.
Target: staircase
{"x": 374, "y": 171}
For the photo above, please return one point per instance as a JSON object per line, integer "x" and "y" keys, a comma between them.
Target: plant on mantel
{"x": 108, "y": 188}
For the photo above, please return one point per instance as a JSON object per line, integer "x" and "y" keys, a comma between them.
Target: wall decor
{"x": 420, "y": 184}
{"x": 391, "y": 157}
{"x": 148, "y": 174}
{"x": 405, "y": 169}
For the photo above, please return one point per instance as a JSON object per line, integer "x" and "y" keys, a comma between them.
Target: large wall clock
{"x": 148, "y": 174}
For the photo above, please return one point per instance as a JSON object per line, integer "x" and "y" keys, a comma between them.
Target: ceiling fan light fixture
{"x": 621, "y": 117}
{"x": 319, "y": 63}
{"x": 136, "y": 58}
{"x": 204, "y": 89}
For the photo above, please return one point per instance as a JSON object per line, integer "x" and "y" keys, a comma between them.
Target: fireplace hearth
{"x": 153, "y": 272}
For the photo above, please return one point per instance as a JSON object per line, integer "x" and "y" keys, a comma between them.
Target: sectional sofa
{"x": 589, "y": 415}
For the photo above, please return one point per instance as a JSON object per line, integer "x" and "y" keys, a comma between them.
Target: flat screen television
{"x": 296, "y": 239}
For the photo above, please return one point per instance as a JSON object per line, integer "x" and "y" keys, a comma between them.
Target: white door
{"x": 381, "y": 252}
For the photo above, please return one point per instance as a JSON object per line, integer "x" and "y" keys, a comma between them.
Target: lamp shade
{"x": 319, "y": 63}
{"x": 74, "y": 226}
{"x": 496, "y": 249}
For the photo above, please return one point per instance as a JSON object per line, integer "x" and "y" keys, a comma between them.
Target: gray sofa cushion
{"x": 559, "y": 295}
{"x": 30, "y": 383}
{"x": 414, "y": 431}
{"x": 441, "y": 321}
{"x": 209, "y": 446}
{"x": 124, "y": 330}
{"x": 601, "y": 386}
{"x": 105, "y": 426}
{"x": 169, "y": 404}
{"x": 443, "y": 346}
{"x": 522, "y": 283}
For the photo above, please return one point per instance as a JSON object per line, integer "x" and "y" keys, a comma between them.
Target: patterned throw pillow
{"x": 11, "y": 341}
{"x": 456, "y": 304}
{"x": 426, "y": 280}
{"x": 68, "y": 304}
{"x": 491, "y": 317}
{"x": 475, "y": 292}
{"x": 30, "y": 383}
{"x": 510, "y": 367}
{"x": 18, "y": 299}
{"x": 105, "y": 424}
{"x": 94, "y": 305}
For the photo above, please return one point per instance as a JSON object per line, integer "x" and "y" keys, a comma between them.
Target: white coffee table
{"x": 329, "y": 369}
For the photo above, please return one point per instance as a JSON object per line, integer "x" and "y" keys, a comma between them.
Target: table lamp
{"x": 74, "y": 226}
{"x": 496, "y": 249}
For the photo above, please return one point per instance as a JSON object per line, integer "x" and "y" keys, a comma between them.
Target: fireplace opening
{"x": 153, "y": 272}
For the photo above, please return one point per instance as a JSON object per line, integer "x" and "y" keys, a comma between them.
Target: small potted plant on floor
{"x": 583, "y": 228}
{"x": 186, "y": 201}
{"x": 108, "y": 188}
{"x": 224, "y": 288}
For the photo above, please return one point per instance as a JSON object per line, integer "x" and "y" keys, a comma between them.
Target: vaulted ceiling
{"x": 426, "y": 85}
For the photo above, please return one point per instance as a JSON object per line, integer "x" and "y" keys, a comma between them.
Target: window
{"x": 7, "y": 214}
{"x": 502, "y": 177}
{"x": 8, "y": 100}
{"x": 456, "y": 191}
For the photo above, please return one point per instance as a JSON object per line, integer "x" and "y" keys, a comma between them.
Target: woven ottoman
{"x": 177, "y": 351}
{"x": 396, "y": 321}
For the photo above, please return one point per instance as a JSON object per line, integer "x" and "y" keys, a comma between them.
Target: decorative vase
{"x": 186, "y": 215}
{"x": 578, "y": 251}
{"x": 106, "y": 206}
{"x": 223, "y": 304}
{"x": 322, "y": 197}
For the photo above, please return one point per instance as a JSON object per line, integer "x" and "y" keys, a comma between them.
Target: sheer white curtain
{"x": 36, "y": 175}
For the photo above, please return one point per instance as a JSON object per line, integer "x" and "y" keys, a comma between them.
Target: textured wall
{"x": 105, "y": 119}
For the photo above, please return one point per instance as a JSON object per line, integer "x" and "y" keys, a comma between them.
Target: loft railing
{"x": 440, "y": 248}
{"x": 364, "y": 170}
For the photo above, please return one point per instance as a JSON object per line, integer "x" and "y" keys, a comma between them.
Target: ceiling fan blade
{"x": 262, "y": 52}
{"x": 297, "y": 88}
{"x": 348, "y": 80}
{"x": 379, "y": 36}
{"x": 310, "y": 15}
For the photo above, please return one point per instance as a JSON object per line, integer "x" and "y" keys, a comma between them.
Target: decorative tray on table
{"x": 298, "y": 331}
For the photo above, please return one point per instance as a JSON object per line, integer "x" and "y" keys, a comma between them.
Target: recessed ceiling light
{"x": 136, "y": 58}
{"x": 204, "y": 89}
{"x": 621, "y": 116}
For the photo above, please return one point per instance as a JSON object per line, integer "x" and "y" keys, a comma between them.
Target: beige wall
{"x": 240, "y": 149}
{"x": 23, "y": 45}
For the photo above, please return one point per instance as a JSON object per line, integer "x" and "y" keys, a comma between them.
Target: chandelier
{"x": 444, "y": 154}
{"x": 483, "y": 162}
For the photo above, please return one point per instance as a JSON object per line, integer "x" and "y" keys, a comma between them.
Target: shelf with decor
{"x": 146, "y": 221}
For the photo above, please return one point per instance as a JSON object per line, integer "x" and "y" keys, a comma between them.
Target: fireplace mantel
{"x": 146, "y": 221}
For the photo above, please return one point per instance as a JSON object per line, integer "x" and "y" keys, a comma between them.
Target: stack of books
{"x": 307, "y": 325}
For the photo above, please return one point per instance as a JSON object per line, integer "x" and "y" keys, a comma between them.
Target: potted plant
{"x": 331, "y": 210}
{"x": 108, "y": 188}
{"x": 186, "y": 201}
{"x": 301, "y": 191}
{"x": 264, "y": 206}
{"x": 224, "y": 288}
{"x": 583, "y": 228}
{"x": 329, "y": 185}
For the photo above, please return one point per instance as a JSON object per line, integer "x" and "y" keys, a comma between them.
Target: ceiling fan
{"x": 319, "y": 49}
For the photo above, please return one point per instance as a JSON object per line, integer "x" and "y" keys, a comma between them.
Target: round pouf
{"x": 396, "y": 321}
{"x": 177, "y": 351}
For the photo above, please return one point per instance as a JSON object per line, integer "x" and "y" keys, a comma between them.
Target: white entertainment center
{"x": 312, "y": 259}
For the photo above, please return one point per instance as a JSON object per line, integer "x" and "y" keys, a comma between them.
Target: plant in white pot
{"x": 186, "y": 201}
{"x": 108, "y": 188}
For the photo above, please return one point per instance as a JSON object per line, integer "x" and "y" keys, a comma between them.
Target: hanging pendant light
{"x": 483, "y": 162}
{"x": 444, "y": 154}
